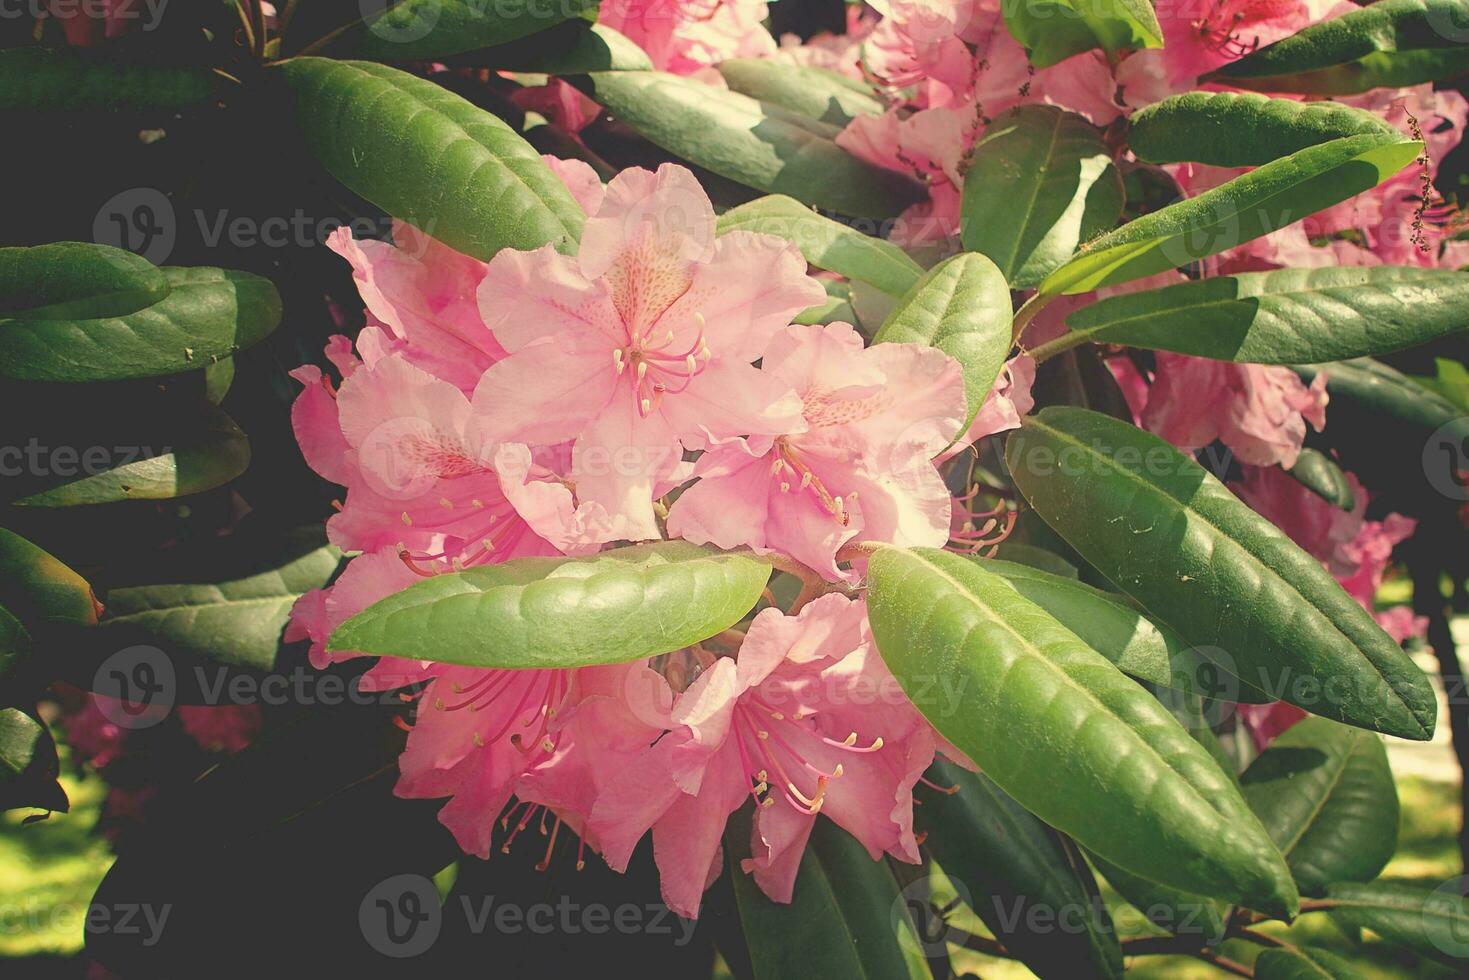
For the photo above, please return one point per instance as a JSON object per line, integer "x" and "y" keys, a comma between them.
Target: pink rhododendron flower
{"x": 641, "y": 346}
{"x": 929, "y": 144}
{"x": 1267, "y": 722}
{"x": 686, "y": 36}
{"x": 807, "y": 720}
{"x": 221, "y": 728}
{"x": 860, "y": 466}
{"x": 1259, "y": 411}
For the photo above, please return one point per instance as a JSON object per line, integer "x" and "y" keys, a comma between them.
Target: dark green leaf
{"x": 33, "y": 78}
{"x": 1109, "y": 625}
{"x": 35, "y": 587}
{"x": 215, "y": 453}
{"x": 1054, "y": 30}
{"x": 1167, "y": 908}
{"x": 827, "y": 244}
{"x": 1431, "y": 923}
{"x": 1169, "y": 534}
{"x": 563, "y": 612}
{"x": 845, "y": 919}
{"x": 814, "y": 92}
{"x": 1303, "y": 963}
{"x": 1326, "y": 794}
{"x": 429, "y": 157}
{"x": 1007, "y": 863}
{"x": 1389, "y": 44}
{"x": 1065, "y": 733}
{"x": 1257, "y": 203}
{"x": 76, "y": 280}
{"x": 1242, "y": 129}
{"x": 15, "y": 644}
{"x": 418, "y": 30}
{"x": 28, "y": 764}
{"x": 1040, "y": 183}
{"x": 759, "y": 145}
{"x": 208, "y": 314}
{"x": 1319, "y": 473}
{"x": 962, "y": 307}
{"x": 232, "y": 611}
{"x": 1383, "y": 391}
{"x": 1285, "y": 316}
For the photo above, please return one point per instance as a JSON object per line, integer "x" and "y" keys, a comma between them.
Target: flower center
{"x": 655, "y": 370}
{"x": 526, "y": 700}
{"x": 793, "y": 474}
{"x": 765, "y": 740}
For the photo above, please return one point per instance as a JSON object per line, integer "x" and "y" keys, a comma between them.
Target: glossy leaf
{"x": 1326, "y": 794}
{"x": 1169, "y": 909}
{"x": 233, "y": 609}
{"x": 845, "y": 919}
{"x": 1388, "y": 44}
{"x": 1256, "y": 203}
{"x": 1169, "y": 534}
{"x": 1319, "y": 473}
{"x": 1430, "y": 923}
{"x": 15, "y": 646}
{"x": 1053, "y": 30}
{"x": 1040, "y": 182}
{"x": 1383, "y": 390}
{"x": 28, "y": 764}
{"x": 809, "y": 91}
{"x": 425, "y": 155}
{"x": 215, "y": 453}
{"x": 66, "y": 280}
{"x": 1303, "y": 963}
{"x": 564, "y": 612}
{"x": 1110, "y": 626}
{"x": 69, "y": 80}
{"x": 36, "y": 587}
{"x": 208, "y": 314}
{"x": 962, "y": 307}
{"x": 1065, "y": 733}
{"x": 1006, "y": 862}
{"x": 757, "y": 144}
{"x": 1242, "y": 129}
{"x": 827, "y": 244}
{"x": 1286, "y": 316}
{"x": 417, "y": 30}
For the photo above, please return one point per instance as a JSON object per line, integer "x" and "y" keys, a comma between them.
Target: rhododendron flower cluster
{"x": 567, "y": 407}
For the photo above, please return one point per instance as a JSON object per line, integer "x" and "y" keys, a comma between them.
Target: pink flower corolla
{"x": 926, "y": 43}
{"x": 228, "y": 728}
{"x": 686, "y": 37}
{"x": 1259, "y": 411}
{"x": 642, "y": 345}
{"x": 807, "y": 720}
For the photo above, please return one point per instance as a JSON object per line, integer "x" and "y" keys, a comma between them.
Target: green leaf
{"x": 563, "y": 612}
{"x": 232, "y": 609}
{"x": 1065, "y": 733}
{"x": 962, "y": 307}
{"x": 76, "y": 280}
{"x": 1257, "y": 203}
{"x": 1430, "y": 923}
{"x": 760, "y": 145}
{"x": 1242, "y": 129}
{"x": 419, "y": 30}
{"x": 1389, "y": 44}
{"x": 827, "y": 244}
{"x": 15, "y": 645}
{"x": 1109, "y": 625}
{"x": 1285, "y": 316}
{"x": 208, "y": 314}
{"x": 36, "y": 587}
{"x": 1018, "y": 552}
{"x": 214, "y": 452}
{"x": 1167, "y": 908}
{"x": 1382, "y": 390}
{"x": 1006, "y": 862}
{"x": 69, "y": 80}
{"x": 845, "y": 918}
{"x": 28, "y": 764}
{"x": 1326, "y": 794}
{"x": 1054, "y": 30}
{"x": 1040, "y": 182}
{"x": 1169, "y": 534}
{"x": 813, "y": 92}
{"x": 1303, "y": 963}
{"x": 1318, "y": 473}
{"x": 429, "y": 157}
